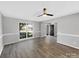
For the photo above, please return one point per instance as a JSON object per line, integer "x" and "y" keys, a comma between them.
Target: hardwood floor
{"x": 38, "y": 48}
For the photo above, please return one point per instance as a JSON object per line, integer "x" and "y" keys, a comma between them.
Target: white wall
{"x": 11, "y": 29}
{"x": 67, "y": 30}
{"x": 1, "y": 40}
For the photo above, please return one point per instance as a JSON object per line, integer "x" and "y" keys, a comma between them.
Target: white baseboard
{"x": 1, "y": 46}
{"x": 1, "y": 50}
{"x": 68, "y": 39}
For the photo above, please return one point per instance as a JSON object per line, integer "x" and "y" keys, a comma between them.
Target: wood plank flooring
{"x": 39, "y": 48}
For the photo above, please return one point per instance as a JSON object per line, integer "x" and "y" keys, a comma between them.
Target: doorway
{"x": 51, "y": 30}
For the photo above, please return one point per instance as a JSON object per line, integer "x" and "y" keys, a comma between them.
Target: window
{"x": 26, "y": 30}
{"x": 29, "y": 30}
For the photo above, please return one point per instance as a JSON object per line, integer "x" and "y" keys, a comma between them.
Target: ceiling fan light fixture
{"x": 44, "y": 15}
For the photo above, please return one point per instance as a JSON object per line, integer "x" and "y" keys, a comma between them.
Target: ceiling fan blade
{"x": 45, "y": 13}
{"x": 50, "y": 14}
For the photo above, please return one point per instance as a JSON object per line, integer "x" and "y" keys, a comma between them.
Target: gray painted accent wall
{"x": 66, "y": 24}
{"x": 11, "y": 29}
{"x": 69, "y": 25}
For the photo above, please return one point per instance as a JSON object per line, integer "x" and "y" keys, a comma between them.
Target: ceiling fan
{"x": 45, "y": 13}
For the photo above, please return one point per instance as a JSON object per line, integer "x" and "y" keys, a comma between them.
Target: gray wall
{"x": 1, "y": 40}
{"x": 44, "y": 28}
{"x": 67, "y": 29}
{"x": 66, "y": 24}
{"x": 11, "y": 29}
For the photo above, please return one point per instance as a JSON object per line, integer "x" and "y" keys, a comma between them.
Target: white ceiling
{"x": 30, "y": 10}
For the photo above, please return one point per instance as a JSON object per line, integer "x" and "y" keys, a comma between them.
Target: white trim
{"x": 68, "y": 45}
{"x": 68, "y": 39}
{"x": 0, "y": 36}
{"x": 1, "y": 50}
{"x": 67, "y": 34}
{"x": 10, "y": 34}
{"x": 1, "y": 47}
